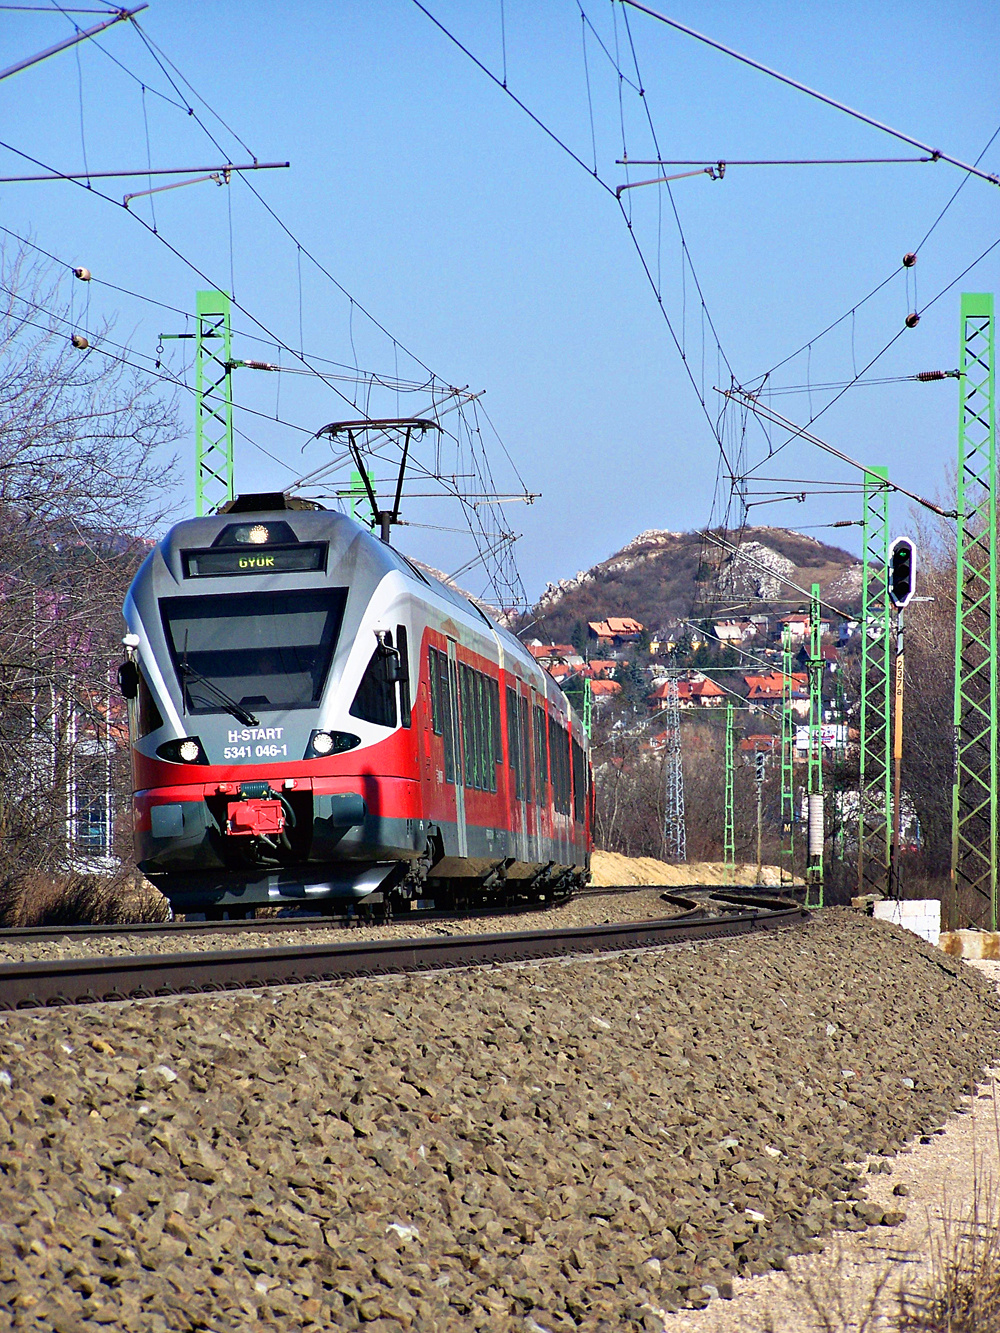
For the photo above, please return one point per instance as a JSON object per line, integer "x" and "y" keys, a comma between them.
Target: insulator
{"x": 79, "y": 342}
{"x": 815, "y": 825}
{"x": 925, "y": 376}
{"x": 82, "y": 273}
{"x": 909, "y": 260}
{"x": 260, "y": 365}
{"x": 912, "y": 320}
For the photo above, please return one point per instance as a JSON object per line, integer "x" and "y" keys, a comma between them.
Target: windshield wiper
{"x": 230, "y": 705}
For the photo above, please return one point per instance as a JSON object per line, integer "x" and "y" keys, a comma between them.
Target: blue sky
{"x": 503, "y": 265}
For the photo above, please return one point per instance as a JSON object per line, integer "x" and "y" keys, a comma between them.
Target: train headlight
{"x": 322, "y": 743}
{"x": 188, "y": 750}
{"x": 258, "y": 535}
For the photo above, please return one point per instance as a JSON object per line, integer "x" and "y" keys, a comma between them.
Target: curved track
{"x": 44, "y": 983}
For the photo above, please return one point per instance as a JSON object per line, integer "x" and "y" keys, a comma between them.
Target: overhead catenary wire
{"x": 609, "y": 189}
{"x": 749, "y": 397}
{"x": 728, "y": 162}
{"x": 471, "y": 428}
{"x": 801, "y": 432}
{"x": 936, "y": 153}
{"x": 721, "y": 542}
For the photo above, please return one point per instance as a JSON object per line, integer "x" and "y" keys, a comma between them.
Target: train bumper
{"x": 201, "y": 891}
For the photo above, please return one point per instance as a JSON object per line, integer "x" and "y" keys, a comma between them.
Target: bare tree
{"x": 85, "y": 474}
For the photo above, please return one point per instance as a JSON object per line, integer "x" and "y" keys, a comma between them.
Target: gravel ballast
{"x": 562, "y": 1145}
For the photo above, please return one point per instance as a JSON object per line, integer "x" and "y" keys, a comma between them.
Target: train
{"x": 316, "y": 719}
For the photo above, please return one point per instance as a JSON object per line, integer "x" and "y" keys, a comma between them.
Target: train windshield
{"x": 261, "y": 650}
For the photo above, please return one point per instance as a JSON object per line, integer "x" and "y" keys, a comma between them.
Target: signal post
{"x": 902, "y": 576}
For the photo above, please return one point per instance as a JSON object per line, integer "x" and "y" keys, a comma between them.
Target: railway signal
{"x": 902, "y": 571}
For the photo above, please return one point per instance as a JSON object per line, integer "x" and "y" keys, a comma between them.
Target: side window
{"x": 375, "y": 700}
{"x": 526, "y": 745}
{"x": 514, "y": 743}
{"x": 435, "y": 680}
{"x": 402, "y": 646}
{"x": 579, "y": 783}
{"x": 541, "y": 758}
{"x": 496, "y": 738}
{"x": 559, "y": 760}
{"x": 147, "y": 714}
{"x": 441, "y": 714}
{"x": 467, "y": 678}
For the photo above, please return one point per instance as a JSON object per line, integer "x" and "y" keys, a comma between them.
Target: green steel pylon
{"x": 787, "y": 760}
{"x": 874, "y": 812}
{"x": 815, "y": 836}
{"x": 213, "y": 431}
{"x": 729, "y": 843}
{"x": 973, "y": 887}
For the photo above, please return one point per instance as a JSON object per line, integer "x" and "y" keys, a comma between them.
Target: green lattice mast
{"x": 787, "y": 759}
{"x": 814, "y": 865}
{"x": 213, "y": 431}
{"x": 729, "y": 849}
{"x": 973, "y": 897}
{"x": 873, "y": 760}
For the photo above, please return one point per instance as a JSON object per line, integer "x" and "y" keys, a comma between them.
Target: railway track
{"x": 311, "y": 921}
{"x": 52, "y": 982}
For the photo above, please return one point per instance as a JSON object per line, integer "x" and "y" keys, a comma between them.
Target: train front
{"x": 267, "y": 676}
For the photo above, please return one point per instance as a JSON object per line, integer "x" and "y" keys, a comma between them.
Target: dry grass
{"x": 829, "y": 1298}
{"x": 963, "y": 1295}
{"x": 38, "y": 899}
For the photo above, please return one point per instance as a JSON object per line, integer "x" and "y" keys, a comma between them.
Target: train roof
{"x": 306, "y": 520}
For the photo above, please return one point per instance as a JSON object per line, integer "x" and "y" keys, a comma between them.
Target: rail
{"x": 51, "y": 982}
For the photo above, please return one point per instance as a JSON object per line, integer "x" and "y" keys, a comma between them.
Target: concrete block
{"x": 971, "y": 943}
{"x": 920, "y": 915}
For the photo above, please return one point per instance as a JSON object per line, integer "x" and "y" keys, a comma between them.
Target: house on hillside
{"x": 760, "y": 744}
{"x": 698, "y": 692}
{"x": 728, "y": 631}
{"x": 799, "y": 625}
{"x": 545, "y": 654}
{"x": 602, "y": 669}
{"x": 765, "y": 691}
{"x": 603, "y": 690}
{"x": 615, "y": 630}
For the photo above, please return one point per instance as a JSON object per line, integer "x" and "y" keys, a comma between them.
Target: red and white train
{"x": 315, "y": 718}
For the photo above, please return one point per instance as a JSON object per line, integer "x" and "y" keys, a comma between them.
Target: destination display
{"x": 216, "y": 563}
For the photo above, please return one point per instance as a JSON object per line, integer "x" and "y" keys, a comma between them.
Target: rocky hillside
{"x": 662, "y": 575}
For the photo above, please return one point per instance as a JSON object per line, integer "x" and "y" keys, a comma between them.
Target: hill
{"x": 661, "y": 576}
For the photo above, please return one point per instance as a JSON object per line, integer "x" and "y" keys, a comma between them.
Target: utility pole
{"x": 787, "y": 758}
{"x": 873, "y": 750}
{"x": 760, "y": 763}
{"x": 674, "y": 825}
{"x": 972, "y": 897}
{"x": 815, "y": 826}
{"x": 729, "y": 842}
{"x": 213, "y": 401}
{"x": 213, "y": 439}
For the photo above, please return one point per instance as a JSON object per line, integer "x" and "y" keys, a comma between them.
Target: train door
{"x": 518, "y": 772}
{"x": 528, "y": 715}
{"x": 455, "y": 706}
